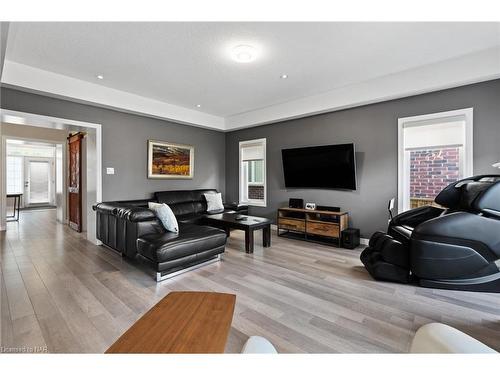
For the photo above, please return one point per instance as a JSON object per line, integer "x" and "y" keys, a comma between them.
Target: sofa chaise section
{"x": 172, "y": 253}
{"x": 133, "y": 230}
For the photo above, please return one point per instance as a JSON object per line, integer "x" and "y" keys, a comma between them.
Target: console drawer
{"x": 291, "y": 224}
{"x": 323, "y": 229}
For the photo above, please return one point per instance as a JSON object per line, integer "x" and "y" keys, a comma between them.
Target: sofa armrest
{"x": 136, "y": 214}
{"x": 109, "y": 208}
{"x": 126, "y": 211}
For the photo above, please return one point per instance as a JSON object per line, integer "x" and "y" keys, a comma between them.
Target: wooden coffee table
{"x": 182, "y": 322}
{"x": 249, "y": 224}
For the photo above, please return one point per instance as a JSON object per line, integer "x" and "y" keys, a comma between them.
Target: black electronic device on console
{"x": 296, "y": 203}
{"x": 328, "y": 208}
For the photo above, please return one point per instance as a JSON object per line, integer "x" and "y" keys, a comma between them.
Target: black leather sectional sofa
{"x": 133, "y": 230}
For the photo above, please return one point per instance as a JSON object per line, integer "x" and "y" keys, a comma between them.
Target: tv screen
{"x": 332, "y": 166}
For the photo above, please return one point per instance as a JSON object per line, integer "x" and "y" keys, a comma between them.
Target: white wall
{"x": 91, "y": 183}
{"x": 3, "y": 200}
{"x": 60, "y": 183}
{"x": 34, "y": 132}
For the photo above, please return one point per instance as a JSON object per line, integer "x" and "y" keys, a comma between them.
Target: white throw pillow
{"x": 166, "y": 216}
{"x": 214, "y": 202}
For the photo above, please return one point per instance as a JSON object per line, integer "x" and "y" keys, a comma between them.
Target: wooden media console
{"x": 312, "y": 225}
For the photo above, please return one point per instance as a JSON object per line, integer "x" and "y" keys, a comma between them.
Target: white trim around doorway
{"x": 32, "y": 119}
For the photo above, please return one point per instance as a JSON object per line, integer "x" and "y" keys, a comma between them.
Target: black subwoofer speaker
{"x": 350, "y": 238}
{"x": 296, "y": 203}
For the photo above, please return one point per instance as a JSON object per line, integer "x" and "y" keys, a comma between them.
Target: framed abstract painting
{"x": 170, "y": 160}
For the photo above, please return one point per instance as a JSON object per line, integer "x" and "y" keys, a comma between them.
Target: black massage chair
{"x": 456, "y": 246}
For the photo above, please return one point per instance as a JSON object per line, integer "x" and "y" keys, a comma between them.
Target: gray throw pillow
{"x": 214, "y": 202}
{"x": 165, "y": 215}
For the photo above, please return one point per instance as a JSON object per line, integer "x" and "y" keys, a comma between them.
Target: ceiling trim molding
{"x": 38, "y": 80}
{"x": 464, "y": 70}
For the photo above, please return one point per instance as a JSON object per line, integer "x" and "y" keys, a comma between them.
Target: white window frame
{"x": 252, "y": 202}
{"x": 403, "y": 172}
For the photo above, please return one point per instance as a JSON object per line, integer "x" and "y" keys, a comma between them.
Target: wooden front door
{"x": 74, "y": 181}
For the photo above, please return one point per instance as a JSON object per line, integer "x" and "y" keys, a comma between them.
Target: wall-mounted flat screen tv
{"x": 331, "y": 167}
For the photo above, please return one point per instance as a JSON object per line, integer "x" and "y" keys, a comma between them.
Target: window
{"x": 14, "y": 149}
{"x": 434, "y": 151}
{"x": 15, "y": 180}
{"x": 253, "y": 172}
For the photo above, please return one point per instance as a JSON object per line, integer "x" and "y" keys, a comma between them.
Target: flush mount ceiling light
{"x": 198, "y": 105}
{"x": 244, "y": 53}
{"x": 284, "y": 76}
{"x": 100, "y": 76}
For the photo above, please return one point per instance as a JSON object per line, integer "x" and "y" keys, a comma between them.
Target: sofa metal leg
{"x": 160, "y": 277}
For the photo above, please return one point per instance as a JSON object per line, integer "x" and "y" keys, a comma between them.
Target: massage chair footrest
{"x": 387, "y": 259}
{"x": 388, "y": 272}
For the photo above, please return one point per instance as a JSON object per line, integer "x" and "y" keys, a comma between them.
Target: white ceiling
{"x": 184, "y": 64}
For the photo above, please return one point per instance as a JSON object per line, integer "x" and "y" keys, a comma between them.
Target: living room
{"x": 250, "y": 187}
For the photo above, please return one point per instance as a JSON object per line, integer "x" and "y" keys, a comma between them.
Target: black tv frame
{"x": 324, "y": 187}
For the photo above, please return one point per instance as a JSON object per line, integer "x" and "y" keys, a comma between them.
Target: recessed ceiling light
{"x": 284, "y": 76}
{"x": 198, "y": 105}
{"x": 100, "y": 76}
{"x": 244, "y": 53}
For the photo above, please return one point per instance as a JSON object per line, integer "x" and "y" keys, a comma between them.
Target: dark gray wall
{"x": 373, "y": 128}
{"x": 125, "y": 138}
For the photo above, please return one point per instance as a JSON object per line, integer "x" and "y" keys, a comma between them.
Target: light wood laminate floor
{"x": 61, "y": 292}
